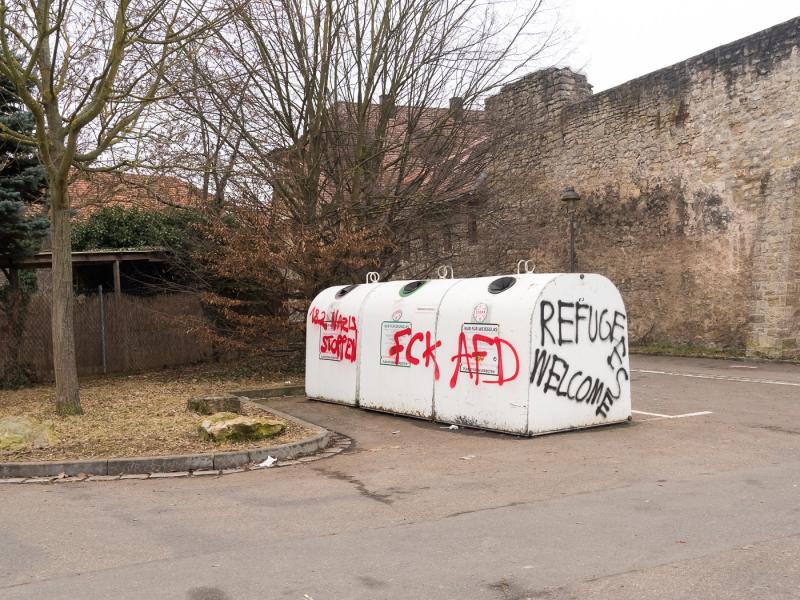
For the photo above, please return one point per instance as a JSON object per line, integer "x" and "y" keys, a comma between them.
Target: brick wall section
{"x": 689, "y": 184}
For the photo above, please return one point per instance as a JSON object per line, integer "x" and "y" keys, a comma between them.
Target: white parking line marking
{"x": 694, "y": 414}
{"x": 660, "y": 416}
{"x": 719, "y": 377}
{"x": 649, "y": 414}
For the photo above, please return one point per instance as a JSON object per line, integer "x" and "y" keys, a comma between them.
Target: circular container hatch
{"x": 501, "y": 284}
{"x": 412, "y": 287}
{"x": 346, "y": 290}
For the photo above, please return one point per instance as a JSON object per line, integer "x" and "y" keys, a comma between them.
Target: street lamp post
{"x": 571, "y": 197}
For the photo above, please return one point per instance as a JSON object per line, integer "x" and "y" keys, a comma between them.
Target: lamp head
{"x": 570, "y": 195}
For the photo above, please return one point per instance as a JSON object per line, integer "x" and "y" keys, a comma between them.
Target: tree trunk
{"x": 65, "y": 369}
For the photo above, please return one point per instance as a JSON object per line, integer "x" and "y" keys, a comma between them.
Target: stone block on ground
{"x": 23, "y": 433}
{"x": 225, "y": 426}
{"x": 209, "y": 405}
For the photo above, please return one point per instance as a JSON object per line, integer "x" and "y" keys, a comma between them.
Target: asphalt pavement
{"x": 698, "y": 497}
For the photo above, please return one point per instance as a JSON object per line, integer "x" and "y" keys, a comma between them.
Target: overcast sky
{"x": 614, "y": 41}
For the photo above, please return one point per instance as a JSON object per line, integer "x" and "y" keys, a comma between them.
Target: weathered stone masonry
{"x": 690, "y": 185}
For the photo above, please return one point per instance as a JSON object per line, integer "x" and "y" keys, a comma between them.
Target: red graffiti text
{"x": 338, "y": 335}
{"x": 472, "y": 358}
{"x": 428, "y": 354}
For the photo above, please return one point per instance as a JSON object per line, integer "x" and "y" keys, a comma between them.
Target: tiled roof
{"x": 91, "y": 191}
{"x": 440, "y": 147}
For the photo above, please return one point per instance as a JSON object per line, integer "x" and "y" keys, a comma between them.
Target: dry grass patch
{"x": 137, "y": 415}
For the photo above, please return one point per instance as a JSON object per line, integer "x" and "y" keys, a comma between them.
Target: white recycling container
{"x": 580, "y": 369}
{"x": 536, "y": 353}
{"x": 485, "y": 327}
{"x": 333, "y": 343}
{"x": 526, "y": 354}
{"x": 399, "y": 346}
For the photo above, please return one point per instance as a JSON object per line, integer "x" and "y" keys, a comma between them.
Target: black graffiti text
{"x": 575, "y": 322}
{"x": 552, "y": 373}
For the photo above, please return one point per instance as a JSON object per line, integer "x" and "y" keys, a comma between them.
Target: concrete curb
{"x": 273, "y": 392}
{"x": 113, "y": 468}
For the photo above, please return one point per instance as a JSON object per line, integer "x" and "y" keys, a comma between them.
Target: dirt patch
{"x": 137, "y": 415}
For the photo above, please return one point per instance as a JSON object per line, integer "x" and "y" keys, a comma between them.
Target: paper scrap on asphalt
{"x": 468, "y": 457}
{"x": 268, "y": 462}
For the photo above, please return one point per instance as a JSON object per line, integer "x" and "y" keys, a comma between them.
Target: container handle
{"x": 525, "y": 264}
{"x": 373, "y": 277}
{"x": 442, "y": 270}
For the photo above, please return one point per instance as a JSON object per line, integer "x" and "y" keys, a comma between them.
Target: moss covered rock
{"x": 23, "y": 433}
{"x": 226, "y": 426}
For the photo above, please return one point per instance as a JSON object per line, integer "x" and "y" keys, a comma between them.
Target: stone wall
{"x": 690, "y": 187}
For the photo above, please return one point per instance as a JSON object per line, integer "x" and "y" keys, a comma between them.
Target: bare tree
{"x": 358, "y": 129}
{"x": 193, "y": 136}
{"x": 88, "y": 71}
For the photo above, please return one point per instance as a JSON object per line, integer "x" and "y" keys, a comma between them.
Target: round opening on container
{"x": 346, "y": 290}
{"x": 412, "y": 287}
{"x": 501, "y": 284}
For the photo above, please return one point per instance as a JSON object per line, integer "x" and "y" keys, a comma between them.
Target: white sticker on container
{"x": 392, "y": 353}
{"x": 486, "y": 354}
{"x": 480, "y": 312}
